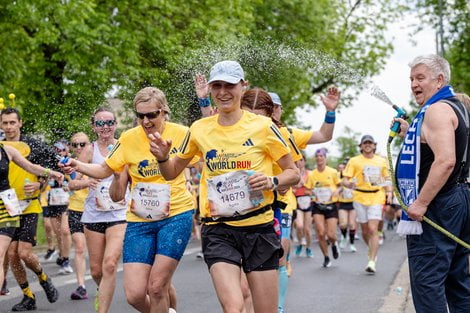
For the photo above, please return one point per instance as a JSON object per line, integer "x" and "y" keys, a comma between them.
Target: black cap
{"x": 367, "y": 138}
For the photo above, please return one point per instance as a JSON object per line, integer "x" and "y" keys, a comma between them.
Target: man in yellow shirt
{"x": 368, "y": 175}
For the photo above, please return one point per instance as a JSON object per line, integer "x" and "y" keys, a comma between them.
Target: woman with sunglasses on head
{"x": 160, "y": 214}
{"x": 79, "y": 186}
{"x": 104, "y": 220}
{"x": 237, "y": 185}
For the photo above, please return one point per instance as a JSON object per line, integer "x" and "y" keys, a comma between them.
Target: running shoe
{"x": 343, "y": 242}
{"x": 289, "y": 269}
{"x": 65, "y": 268}
{"x": 309, "y": 253}
{"x": 352, "y": 248}
{"x": 4, "y": 291}
{"x": 370, "y": 267}
{"x": 59, "y": 261}
{"x": 199, "y": 255}
{"x": 50, "y": 254}
{"x": 327, "y": 262}
{"x": 280, "y": 310}
{"x": 298, "y": 250}
{"x": 335, "y": 251}
{"x": 79, "y": 294}
{"x": 51, "y": 292}
{"x": 171, "y": 310}
{"x": 97, "y": 301}
{"x": 27, "y": 304}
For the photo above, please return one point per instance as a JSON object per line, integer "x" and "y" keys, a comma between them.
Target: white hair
{"x": 437, "y": 64}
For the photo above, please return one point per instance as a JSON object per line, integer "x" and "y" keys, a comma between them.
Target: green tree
{"x": 63, "y": 58}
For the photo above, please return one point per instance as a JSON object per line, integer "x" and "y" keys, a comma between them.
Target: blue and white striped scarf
{"x": 409, "y": 162}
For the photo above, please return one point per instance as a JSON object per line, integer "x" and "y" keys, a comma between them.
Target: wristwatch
{"x": 274, "y": 182}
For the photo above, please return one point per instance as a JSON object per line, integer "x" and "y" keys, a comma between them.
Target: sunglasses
{"x": 149, "y": 115}
{"x": 102, "y": 123}
{"x": 76, "y": 144}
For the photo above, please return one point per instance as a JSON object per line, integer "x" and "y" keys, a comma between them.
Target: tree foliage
{"x": 63, "y": 58}
{"x": 456, "y": 27}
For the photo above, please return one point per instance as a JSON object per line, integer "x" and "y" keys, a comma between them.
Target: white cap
{"x": 227, "y": 71}
{"x": 275, "y": 97}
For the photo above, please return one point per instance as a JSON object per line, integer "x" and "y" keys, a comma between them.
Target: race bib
{"x": 323, "y": 194}
{"x": 303, "y": 202}
{"x": 10, "y": 200}
{"x": 151, "y": 201}
{"x": 347, "y": 193}
{"x": 58, "y": 196}
{"x": 372, "y": 175}
{"x": 229, "y": 194}
{"x": 104, "y": 201}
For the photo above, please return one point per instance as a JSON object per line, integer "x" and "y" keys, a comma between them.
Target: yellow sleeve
{"x": 275, "y": 143}
{"x": 189, "y": 149}
{"x": 301, "y": 137}
{"x": 116, "y": 157}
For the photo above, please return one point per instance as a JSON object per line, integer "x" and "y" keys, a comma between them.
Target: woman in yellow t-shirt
{"x": 159, "y": 219}
{"x": 79, "y": 185}
{"x": 237, "y": 183}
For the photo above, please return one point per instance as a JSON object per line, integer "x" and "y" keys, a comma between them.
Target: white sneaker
{"x": 352, "y": 248}
{"x": 66, "y": 269}
{"x": 171, "y": 310}
{"x": 342, "y": 242}
{"x": 371, "y": 267}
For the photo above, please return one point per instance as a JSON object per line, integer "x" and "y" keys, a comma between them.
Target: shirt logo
{"x": 174, "y": 150}
{"x": 148, "y": 168}
{"x": 216, "y": 160}
{"x": 248, "y": 143}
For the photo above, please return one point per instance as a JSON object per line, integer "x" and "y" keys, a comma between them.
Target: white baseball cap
{"x": 275, "y": 97}
{"x": 227, "y": 71}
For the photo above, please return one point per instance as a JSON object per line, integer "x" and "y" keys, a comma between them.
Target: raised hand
{"x": 200, "y": 84}
{"x": 159, "y": 147}
{"x": 331, "y": 100}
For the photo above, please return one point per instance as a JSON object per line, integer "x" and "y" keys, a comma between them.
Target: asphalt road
{"x": 344, "y": 287}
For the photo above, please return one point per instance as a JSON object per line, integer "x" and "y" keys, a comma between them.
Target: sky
{"x": 370, "y": 115}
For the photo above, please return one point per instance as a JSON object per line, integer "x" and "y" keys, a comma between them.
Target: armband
{"x": 204, "y": 102}
{"x": 330, "y": 117}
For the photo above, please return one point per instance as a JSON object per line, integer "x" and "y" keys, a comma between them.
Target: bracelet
{"x": 204, "y": 102}
{"x": 45, "y": 173}
{"x": 163, "y": 161}
{"x": 330, "y": 117}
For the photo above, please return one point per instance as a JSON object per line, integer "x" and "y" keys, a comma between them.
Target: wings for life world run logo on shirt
{"x": 148, "y": 168}
{"x": 224, "y": 161}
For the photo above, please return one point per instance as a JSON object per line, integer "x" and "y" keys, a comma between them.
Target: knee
{"x": 24, "y": 254}
{"x": 79, "y": 250}
{"x": 109, "y": 266}
{"x": 135, "y": 298}
{"x": 158, "y": 291}
{"x": 95, "y": 271}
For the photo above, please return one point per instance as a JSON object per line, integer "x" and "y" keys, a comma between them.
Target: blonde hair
{"x": 153, "y": 95}
{"x": 82, "y": 134}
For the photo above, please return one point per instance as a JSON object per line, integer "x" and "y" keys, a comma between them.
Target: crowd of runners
{"x": 237, "y": 179}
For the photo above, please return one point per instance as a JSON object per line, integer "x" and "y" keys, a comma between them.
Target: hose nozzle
{"x": 401, "y": 113}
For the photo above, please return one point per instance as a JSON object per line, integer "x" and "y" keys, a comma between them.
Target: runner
{"x": 27, "y": 187}
{"x": 238, "y": 147}
{"x": 324, "y": 181}
{"x": 346, "y": 212}
{"x": 260, "y": 102}
{"x": 160, "y": 215}
{"x": 104, "y": 226}
{"x": 10, "y": 207}
{"x": 303, "y": 219}
{"x": 368, "y": 175}
{"x": 79, "y": 143}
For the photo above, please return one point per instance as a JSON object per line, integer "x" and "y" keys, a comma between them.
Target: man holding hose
{"x": 431, "y": 171}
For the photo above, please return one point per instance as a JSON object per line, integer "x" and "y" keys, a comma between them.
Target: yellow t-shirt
{"x": 133, "y": 149}
{"x": 301, "y": 137}
{"x": 252, "y": 143}
{"x": 327, "y": 180}
{"x": 358, "y": 168}
{"x": 77, "y": 199}
{"x": 17, "y": 176}
{"x": 289, "y": 197}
